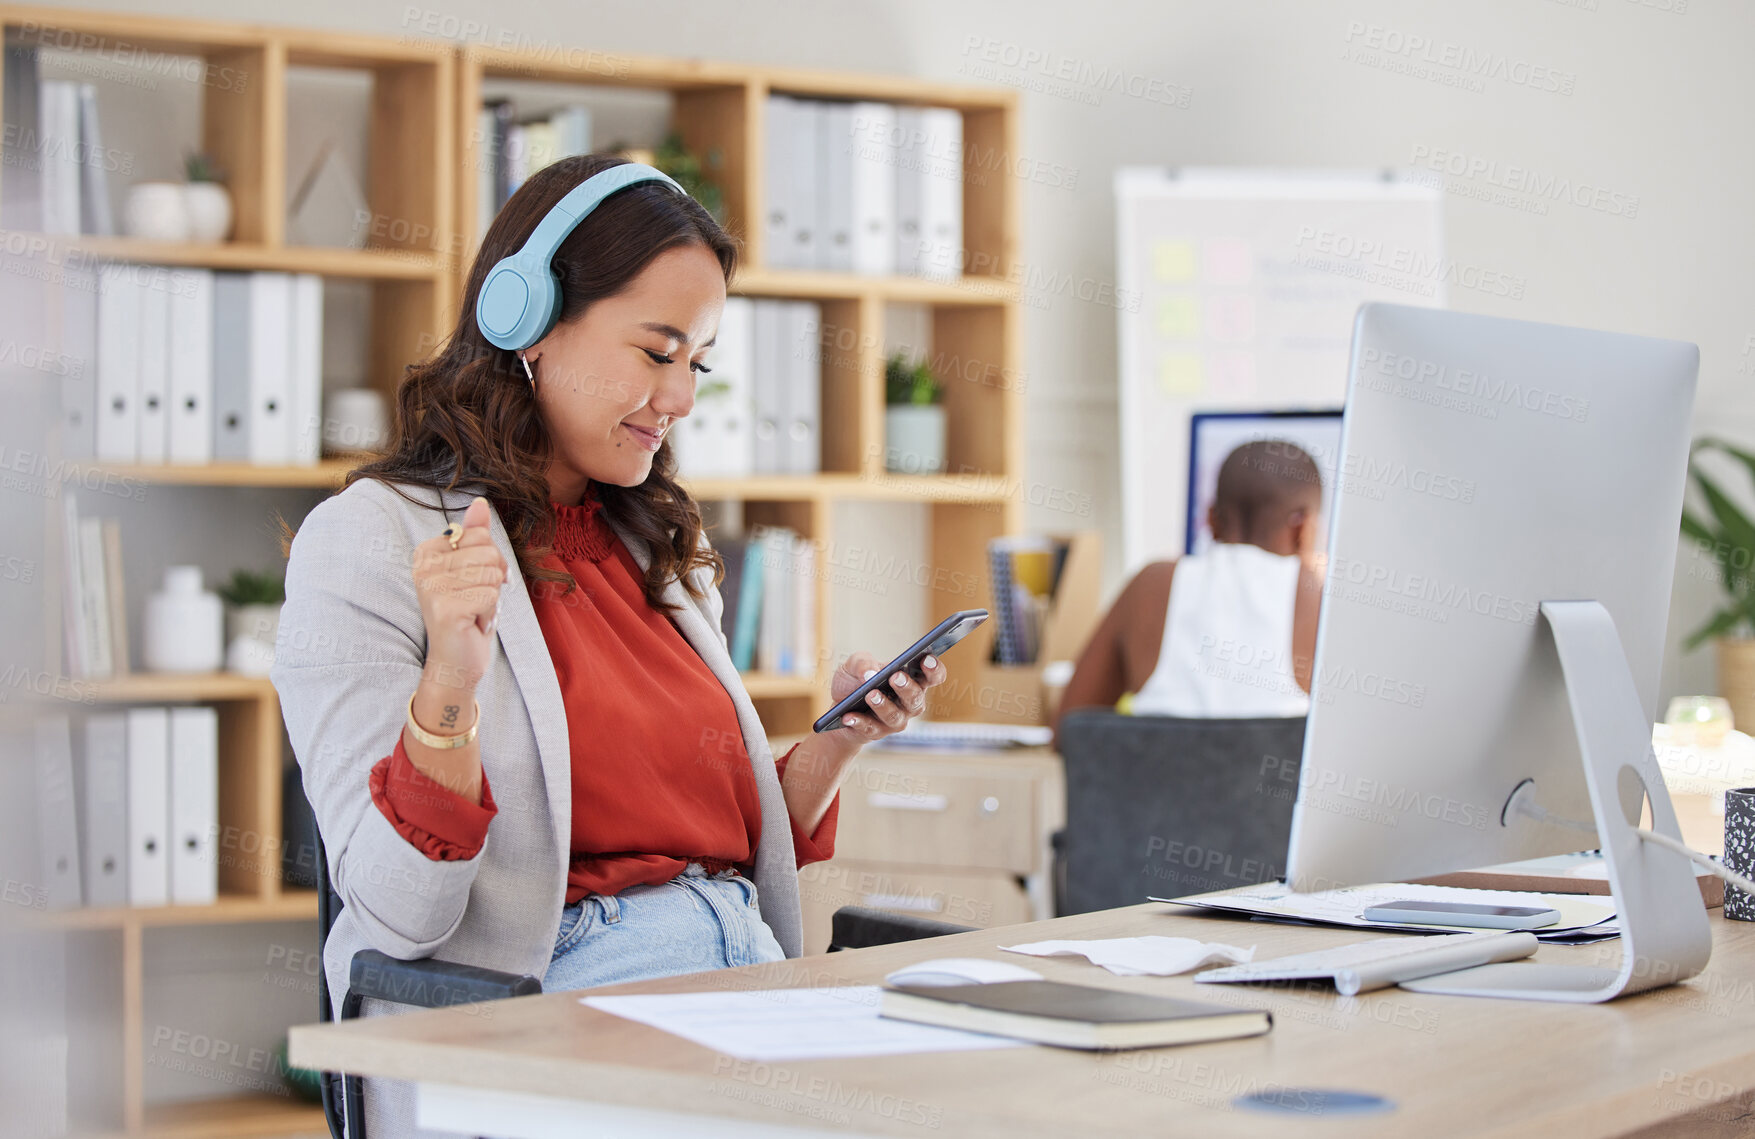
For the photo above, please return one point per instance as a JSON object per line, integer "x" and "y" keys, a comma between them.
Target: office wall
{"x": 1643, "y": 100}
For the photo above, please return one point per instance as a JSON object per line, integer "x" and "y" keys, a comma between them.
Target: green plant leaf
{"x": 1720, "y": 623}
{"x": 1735, "y": 531}
{"x": 1696, "y": 529}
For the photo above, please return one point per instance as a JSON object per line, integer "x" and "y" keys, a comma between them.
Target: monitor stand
{"x": 1665, "y": 937}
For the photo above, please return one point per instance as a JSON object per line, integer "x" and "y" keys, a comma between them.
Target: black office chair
{"x": 422, "y": 983}
{"x": 1165, "y": 806}
{"x": 858, "y": 927}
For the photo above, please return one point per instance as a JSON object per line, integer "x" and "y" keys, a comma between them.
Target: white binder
{"x": 97, "y": 656}
{"x": 190, "y": 433}
{"x": 802, "y": 394}
{"x": 306, "y": 411}
{"x": 58, "y": 152}
{"x": 104, "y": 798}
{"x": 768, "y": 376}
{"x": 149, "y": 807}
{"x": 941, "y": 203}
{"x": 57, "y": 825}
{"x": 271, "y": 308}
{"x": 777, "y": 184}
{"x": 715, "y": 440}
{"x": 804, "y": 188}
{"x": 194, "y": 744}
{"x": 231, "y": 358}
{"x": 835, "y": 187}
{"x": 910, "y": 188}
{"x": 874, "y": 188}
{"x": 118, "y": 364}
{"x": 78, "y": 297}
{"x": 804, "y": 608}
{"x": 153, "y": 403}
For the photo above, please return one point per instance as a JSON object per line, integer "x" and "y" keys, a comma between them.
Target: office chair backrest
{"x": 1164, "y": 806}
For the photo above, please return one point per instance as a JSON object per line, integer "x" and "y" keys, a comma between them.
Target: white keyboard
{"x": 1383, "y": 961}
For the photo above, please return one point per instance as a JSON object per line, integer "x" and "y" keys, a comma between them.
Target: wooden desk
{"x": 1678, "y": 1062}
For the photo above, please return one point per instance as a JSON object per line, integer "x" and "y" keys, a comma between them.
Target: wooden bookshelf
{"x": 719, "y": 109}
{"x": 424, "y": 95}
{"x": 230, "y": 909}
{"x": 234, "y": 1117}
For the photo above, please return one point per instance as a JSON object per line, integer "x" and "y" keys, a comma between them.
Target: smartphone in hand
{"x": 947, "y": 633}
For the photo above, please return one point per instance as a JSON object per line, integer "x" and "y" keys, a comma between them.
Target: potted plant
{"x": 1727, "y": 538}
{"x": 914, "y": 418}
{"x": 689, "y": 171}
{"x": 207, "y": 203}
{"x": 252, "y": 621}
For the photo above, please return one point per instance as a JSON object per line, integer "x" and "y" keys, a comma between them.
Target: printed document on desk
{"x": 791, "y": 1024}
{"x": 1579, "y": 913}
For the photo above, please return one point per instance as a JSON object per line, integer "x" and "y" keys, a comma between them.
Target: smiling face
{"x": 612, "y": 383}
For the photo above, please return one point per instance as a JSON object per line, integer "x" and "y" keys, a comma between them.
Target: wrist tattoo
{"x": 449, "y": 719}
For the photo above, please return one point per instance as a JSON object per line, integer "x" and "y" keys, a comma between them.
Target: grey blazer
{"x": 347, "y": 658}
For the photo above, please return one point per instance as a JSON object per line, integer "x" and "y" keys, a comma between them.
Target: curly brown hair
{"x": 467, "y": 415}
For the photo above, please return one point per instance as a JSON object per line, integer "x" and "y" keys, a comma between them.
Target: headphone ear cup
{"x": 545, "y": 306}
{"x": 515, "y": 308}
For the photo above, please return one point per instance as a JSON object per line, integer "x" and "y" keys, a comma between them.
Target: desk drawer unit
{"x": 973, "y": 898}
{"x": 908, "y": 811}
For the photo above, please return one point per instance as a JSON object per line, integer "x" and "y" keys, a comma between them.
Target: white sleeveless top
{"x": 1227, "y": 647}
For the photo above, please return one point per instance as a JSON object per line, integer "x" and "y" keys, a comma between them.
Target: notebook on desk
{"x": 1071, "y": 1016}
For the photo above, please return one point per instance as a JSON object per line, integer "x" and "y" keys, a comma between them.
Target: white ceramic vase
{"x": 209, "y": 209}
{"x": 156, "y": 211}
{"x": 184, "y": 625}
{"x": 914, "y": 438}
{"x": 354, "y": 420}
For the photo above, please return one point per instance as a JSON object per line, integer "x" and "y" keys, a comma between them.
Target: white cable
{"x": 1719, "y": 868}
{"x": 1540, "y": 814}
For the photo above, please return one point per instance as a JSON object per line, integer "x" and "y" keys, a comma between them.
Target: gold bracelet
{"x": 462, "y": 739}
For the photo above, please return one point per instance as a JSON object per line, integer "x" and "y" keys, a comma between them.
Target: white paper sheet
{"x": 1142, "y": 956}
{"x": 1346, "y": 907}
{"x": 790, "y": 1024}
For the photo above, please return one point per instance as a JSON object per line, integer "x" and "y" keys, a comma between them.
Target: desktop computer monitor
{"x": 1213, "y": 435}
{"x": 1492, "y": 466}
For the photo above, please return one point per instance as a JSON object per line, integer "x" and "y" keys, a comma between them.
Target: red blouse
{"x": 660, "y": 773}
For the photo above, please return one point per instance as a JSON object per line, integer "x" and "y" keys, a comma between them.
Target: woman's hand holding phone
{"x": 883, "y": 716}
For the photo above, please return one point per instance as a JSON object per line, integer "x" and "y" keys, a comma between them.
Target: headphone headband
{"x": 521, "y": 296}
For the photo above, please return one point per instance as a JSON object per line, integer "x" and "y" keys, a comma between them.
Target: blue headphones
{"x": 521, "y": 297}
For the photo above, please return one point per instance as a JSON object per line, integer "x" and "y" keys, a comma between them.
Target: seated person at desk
{"x": 1230, "y": 632}
{"x": 555, "y": 771}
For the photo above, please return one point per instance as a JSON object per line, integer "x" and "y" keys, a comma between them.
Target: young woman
{"x": 500, "y": 659}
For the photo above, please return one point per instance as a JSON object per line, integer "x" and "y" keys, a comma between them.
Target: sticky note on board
{"x": 1231, "y": 318}
{"x": 1177, "y": 317}
{"x": 1173, "y": 261}
{"x": 1228, "y": 261}
{"x": 1232, "y": 373}
{"x": 1180, "y": 374}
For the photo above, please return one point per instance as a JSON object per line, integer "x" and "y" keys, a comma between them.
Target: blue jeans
{"x": 692, "y": 923}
